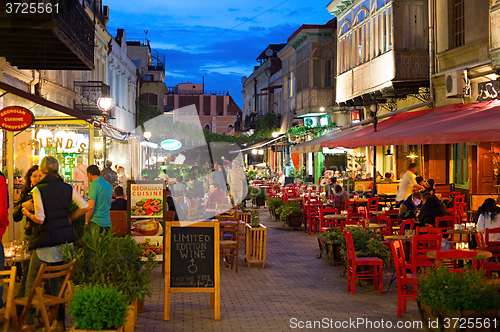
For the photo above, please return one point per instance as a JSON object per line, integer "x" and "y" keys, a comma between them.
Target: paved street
{"x": 294, "y": 284}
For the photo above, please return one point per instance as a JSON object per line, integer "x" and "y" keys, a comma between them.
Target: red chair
{"x": 461, "y": 213}
{"x": 410, "y": 222}
{"x": 457, "y": 254}
{"x": 404, "y": 279}
{"x": 313, "y": 214}
{"x": 350, "y": 206}
{"x": 326, "y": 224}
{"x": 394, "y": 215}
{"x": 491, "y": 245}
{"x": 353, "y": 262}
{"x": 486, "y": 265}
{"x": 445, "y": 222}
{"x": 388, "y": 222}
{"x": 420, "y": 246}
{"x": 428, "y": 230}
{"x": 372, "y": 206}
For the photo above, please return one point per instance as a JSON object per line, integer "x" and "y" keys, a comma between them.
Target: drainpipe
{"x": 431, "y": 48}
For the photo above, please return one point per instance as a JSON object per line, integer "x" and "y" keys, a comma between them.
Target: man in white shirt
{"x": 408, "y": 184}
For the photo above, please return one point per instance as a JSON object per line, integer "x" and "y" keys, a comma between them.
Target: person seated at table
{"x": 387, "y": 178}
{"x": 328, "y": 187}
{"x": 171, "y": 205}
{"x": 489, "y": 217}
{"x": 120, "y": 203}
{"x": 432, "y": 207}
{"x": 340, "y": 197}
{"x": 430, "y": 187}
{"x": 196, "y": 190}
{"x": 216, "y": 198}
{"x": 408, "y": 209}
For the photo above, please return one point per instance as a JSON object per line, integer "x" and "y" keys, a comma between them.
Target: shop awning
{"x": 477, "y": 122}
{"x": 314, "y": 145}
{"x": 110, "y": 131}
{"x": 256, "y": 145}
{"x": 37, "y": 101}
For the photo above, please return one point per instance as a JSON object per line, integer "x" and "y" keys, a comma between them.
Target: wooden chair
{"x": 445, "y": 223}
{"x": 350, "y": 206}
{"x": 37, "y": 299}
{"x": 388, "y": 222}
{"x": 118, "y": 223}
{"x": 491, "y": 245}
{"x": 246, "y": 217}
{"x": 404, "y": 279}
{"x": 372, "y": 206}
{"x": 229, "y": 242}
{"x": 8, "y": 314}
{"x": 454, "y": 254}
{"x": 486, "y": 265}
{"x": 394, "y": 215}
{"x": 410, "y": 222}
{"x": 420, "y": 246}
{"x": 428, "y": 230}
{"x": 353, "y": 219}
{"x": 313, "y": 214}
{"x": 353, "y": 262}
{"x": 326, "y": 224}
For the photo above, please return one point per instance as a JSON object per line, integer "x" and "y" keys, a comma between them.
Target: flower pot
{"x": 294, "y": 220}
{"x": 255, "y": 244}
{"x": 73, "y": 329}
{"x": 331, "y": 250}
{"x": 260, "y": 201}
{"x": 131, "y": 322}
{"x": 437, "y": 320}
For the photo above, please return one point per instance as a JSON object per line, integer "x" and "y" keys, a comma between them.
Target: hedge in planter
{"x": 366, "y": 244}
{"x": 330, "y": 243}
{"x": 290, "y": 214}
{"x": 274, "y": 204}
{"x": 98, "y": 308}
{"x": 445, "y": 295}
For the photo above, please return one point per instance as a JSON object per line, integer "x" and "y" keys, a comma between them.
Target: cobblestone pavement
{"x": 295, "y": 284}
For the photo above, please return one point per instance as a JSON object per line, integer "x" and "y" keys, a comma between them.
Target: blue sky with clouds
{"x": 194, "y": 35}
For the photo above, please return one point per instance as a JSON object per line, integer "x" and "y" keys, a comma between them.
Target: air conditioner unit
{"x": 457, "y": 84}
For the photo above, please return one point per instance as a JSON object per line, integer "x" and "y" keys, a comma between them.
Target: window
{"x": 207, "y": 127}
{"x": 458, "y": 23}
{"x": 460, "y": 164}
{"x": 229, "y": 128}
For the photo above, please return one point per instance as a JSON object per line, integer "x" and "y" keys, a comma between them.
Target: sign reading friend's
{"x": 192, "y": 261}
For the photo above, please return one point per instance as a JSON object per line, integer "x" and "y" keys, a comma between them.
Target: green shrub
{"x": 335, "y": 235}
{"x": 449, "y": 291}
{"x": 288, "y": 209}
{"x": 274, "y": 202}
{"x": 106, "y": 259}
{"x": 367, "y": 244}
{"x": 98, "y": 308}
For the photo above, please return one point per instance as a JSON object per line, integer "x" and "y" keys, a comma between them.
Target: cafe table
{"x": 406, "y": 241}
{"x": 480, "y": 253}
{"x": 339, "y": 217}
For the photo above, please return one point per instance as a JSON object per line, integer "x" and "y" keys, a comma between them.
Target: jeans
{"x": 52, "y": 286}
{"x": 102, "y": 229}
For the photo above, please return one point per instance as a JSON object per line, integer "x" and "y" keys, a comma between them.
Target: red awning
{"x": 477, "y": 122}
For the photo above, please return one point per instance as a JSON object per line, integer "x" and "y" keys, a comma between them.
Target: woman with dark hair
{"x": 489, "y": 217}
{"x": 51, "y": 205}
{"x": 31, "y": 178}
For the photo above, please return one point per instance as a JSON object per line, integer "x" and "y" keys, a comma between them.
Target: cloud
{"x": 224, "y": 69}
{"x": 257, "y": 29}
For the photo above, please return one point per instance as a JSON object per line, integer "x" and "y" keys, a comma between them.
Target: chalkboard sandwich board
{"x": 192, "y": 261}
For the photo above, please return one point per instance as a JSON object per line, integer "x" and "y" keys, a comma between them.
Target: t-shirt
{"x": 101, "y": 192}
{"x": 119, "y": 204}
{"x": 406, "y": 186}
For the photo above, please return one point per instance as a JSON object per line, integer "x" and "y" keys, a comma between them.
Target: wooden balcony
{"x": 60, "y": 40}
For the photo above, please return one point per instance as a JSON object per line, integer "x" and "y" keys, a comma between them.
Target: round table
{"x": 403, "y": 238}
{"x": 461, "y": 232}
{"x": 339, "y": 217}
{"x": 480, "y": 253}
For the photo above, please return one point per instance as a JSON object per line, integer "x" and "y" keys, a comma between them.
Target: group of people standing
{"x": 46, "y": 207}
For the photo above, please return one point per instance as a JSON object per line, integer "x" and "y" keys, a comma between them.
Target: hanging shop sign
{"x": 15, "y": 118}
{"x": 355, "y": 116}
{"x": 488, "y": 90}
{"x": 171, "y": 144}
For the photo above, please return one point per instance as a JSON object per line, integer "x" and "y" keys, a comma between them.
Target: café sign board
{"x": 488, "y": 90}
{"x": 15, "y": 118}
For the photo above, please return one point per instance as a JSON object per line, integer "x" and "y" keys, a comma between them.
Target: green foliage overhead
{"x": 450, "y": 291}
{"x": 98, "y": 308}
{"x": 146, "y": 112}
{"x": 303, "y": 131}
{"x": 105, "y": 259}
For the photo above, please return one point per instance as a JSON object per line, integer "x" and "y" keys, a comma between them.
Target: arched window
{"x": 362, "y": 15}
{"x": 345, "y": 27}
{"x": 229, "y": 127}
{"x": 207, "y": 127}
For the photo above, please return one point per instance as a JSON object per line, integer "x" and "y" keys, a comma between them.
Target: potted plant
{"x": 98, "y": 308}
{"x": 104, "y": 259}
{"x": 330, "y": 244}
{"x": 273, "y": 204}
{"x": 366, "y": 244}
{"x": 259, "y": 196}
{"x": 445, "y": 296}
{"x": 255, "y": 242}
{"x": 291, "y": 214}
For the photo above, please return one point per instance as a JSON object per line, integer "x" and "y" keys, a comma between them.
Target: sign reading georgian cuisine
{"x": 15, "y": 118}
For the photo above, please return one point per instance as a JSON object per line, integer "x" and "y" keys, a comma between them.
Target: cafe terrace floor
{"x": 294, "y": 284}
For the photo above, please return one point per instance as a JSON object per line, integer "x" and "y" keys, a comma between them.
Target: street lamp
{"x": 276, "y": 134}
{"x": 104, "y": 104}
{"x": 254, "y": 151}
{"x": 147, "y": 135}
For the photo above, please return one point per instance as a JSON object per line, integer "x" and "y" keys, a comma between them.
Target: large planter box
{"x": 260, "y": 201}
{"x": 438, "y": 321}
{"x": 294, "y": 220}
{"x": 255, "y": 245}
{"x": 131, "y": 322}
{"x": 331, "y": 250}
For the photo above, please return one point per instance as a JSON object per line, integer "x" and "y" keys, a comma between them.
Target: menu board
{"x": 192, "y": 261}
{"x": 146, "y": 206}
{"x": 192, "y": 257}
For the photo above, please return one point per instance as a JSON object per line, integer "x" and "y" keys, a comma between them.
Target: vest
{"x": 56, "y": 228}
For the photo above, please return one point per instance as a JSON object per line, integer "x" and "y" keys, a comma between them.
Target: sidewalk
{"x": 294, "y": 284}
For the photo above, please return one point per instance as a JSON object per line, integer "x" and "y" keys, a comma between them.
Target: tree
{"x": 146, "y": 112}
